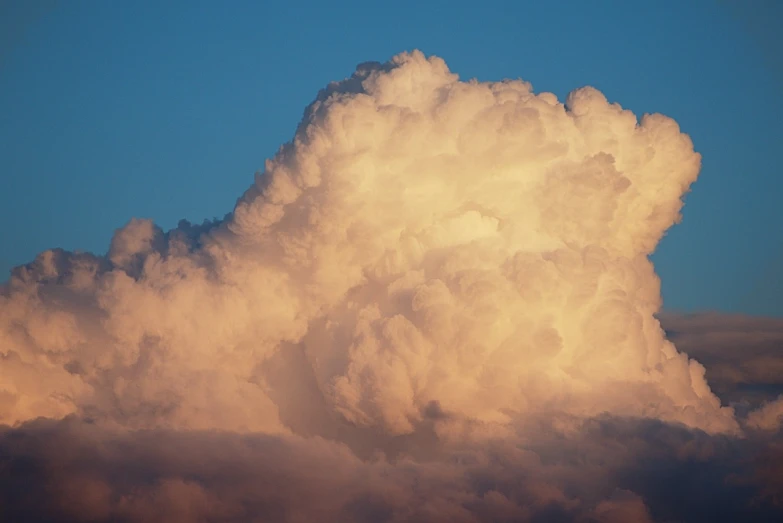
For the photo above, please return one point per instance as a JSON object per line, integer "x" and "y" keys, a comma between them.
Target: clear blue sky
{"x": 165, "y": 110}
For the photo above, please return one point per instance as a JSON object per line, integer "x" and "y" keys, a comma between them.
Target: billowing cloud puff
{"x": 742, "y": 353}
{"x": 769, "y": 416}
{"x": 744, "y": 360}
{"x": 431, "y": 269}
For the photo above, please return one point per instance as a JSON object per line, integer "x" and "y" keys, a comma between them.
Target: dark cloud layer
{"x": 605, "y": 469}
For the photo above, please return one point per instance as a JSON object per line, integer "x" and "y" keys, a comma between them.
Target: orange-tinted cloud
{"x": 434, "y": 304}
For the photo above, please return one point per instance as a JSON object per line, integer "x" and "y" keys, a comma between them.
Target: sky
{"x": 116, "y": 110}
{"x": 393, "y": 263}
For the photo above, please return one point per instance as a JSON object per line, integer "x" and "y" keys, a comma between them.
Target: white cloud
{"x": 425, "y": 239}
{"x": 439, "y": 280}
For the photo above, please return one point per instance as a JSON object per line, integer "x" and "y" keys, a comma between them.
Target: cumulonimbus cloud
{"x": 429, "y": 268}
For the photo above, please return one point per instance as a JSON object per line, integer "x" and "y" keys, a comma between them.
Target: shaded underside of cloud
{"x": 434, "y": 304}
{"x": 605, "y": 469}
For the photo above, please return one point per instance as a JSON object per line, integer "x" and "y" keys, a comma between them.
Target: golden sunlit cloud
{"x": 429, "y": 268}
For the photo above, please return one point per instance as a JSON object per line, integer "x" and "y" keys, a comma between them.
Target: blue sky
{"x": 165, "y": 110}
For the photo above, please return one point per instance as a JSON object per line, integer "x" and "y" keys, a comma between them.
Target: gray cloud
{"x": 603, "y": 470}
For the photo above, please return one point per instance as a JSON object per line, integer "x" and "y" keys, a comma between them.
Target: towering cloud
{"x": 435, "y": 279}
